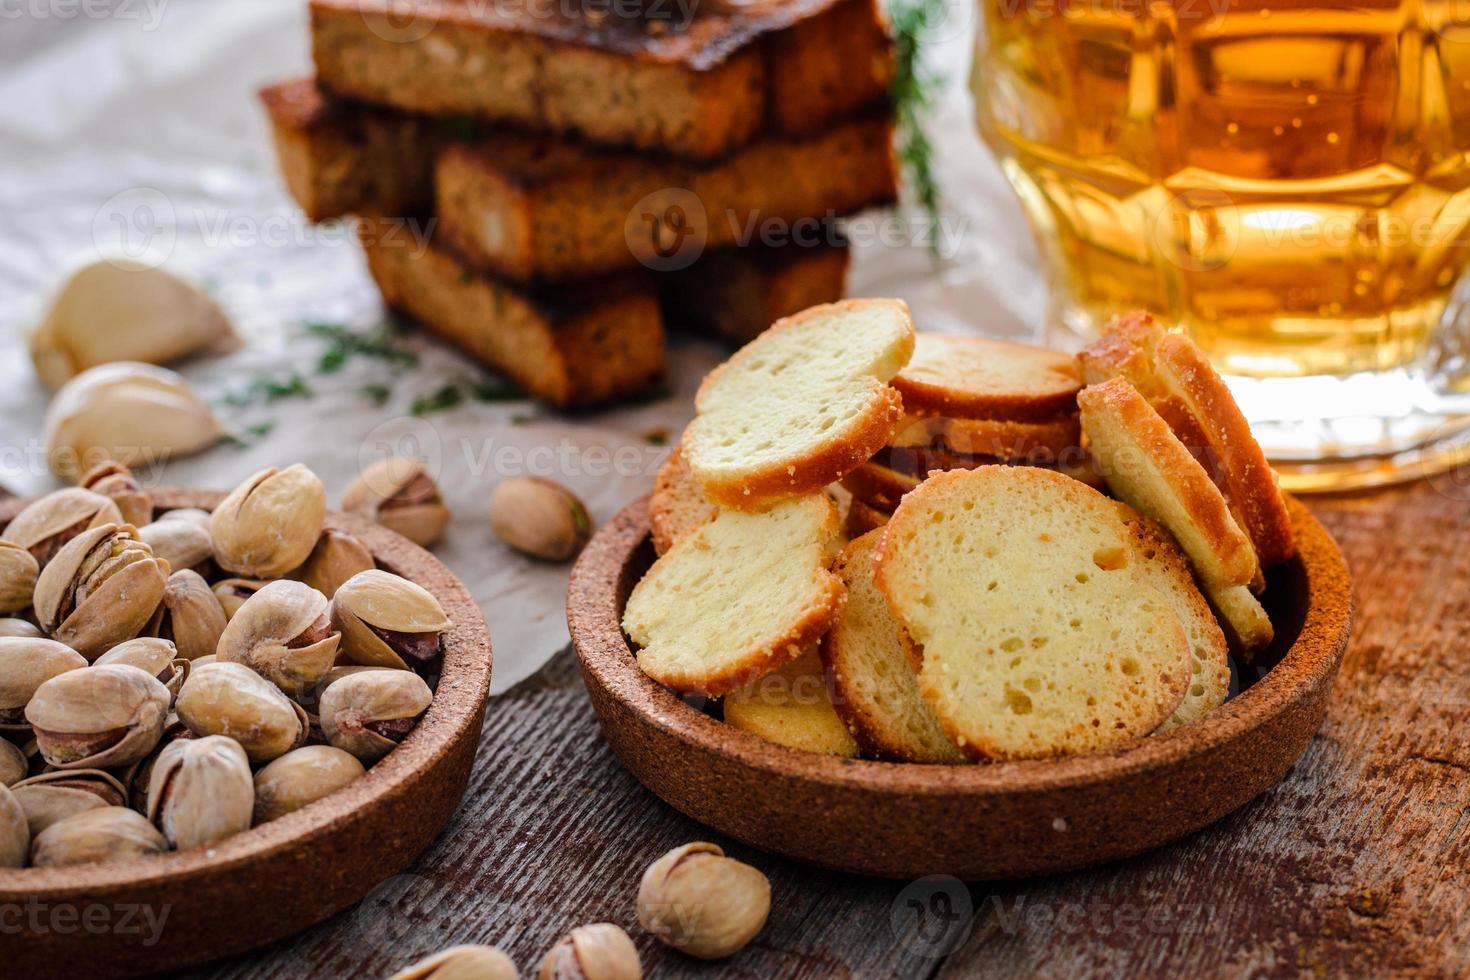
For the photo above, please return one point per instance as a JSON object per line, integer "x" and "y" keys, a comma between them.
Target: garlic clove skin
{"x": 462, "y": 963}
{"x": 702, "y": 903}
{"x": 601, "y": 951}
{"x": 121, "y": 310}
{"x": 128, "y": 412}
{"x": 539, "y": 518}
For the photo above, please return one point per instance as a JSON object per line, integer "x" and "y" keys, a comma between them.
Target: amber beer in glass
{"x": 1286, "y": 180}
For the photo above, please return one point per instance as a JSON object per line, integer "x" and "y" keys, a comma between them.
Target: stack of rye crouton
{"x": 591, "y": 173}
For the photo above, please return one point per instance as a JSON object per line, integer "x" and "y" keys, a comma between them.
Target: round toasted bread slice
{"x": 739, "y": 597}
{"x": 1038, "y": 637}
{"x": 979, "y": 378}
{"x": 792, "y": 706}
{"x": 863, "y": 517}
{"x": 1150, "y": 469}
{"x": 678, "y": 504}
{"x": 801, "y": 405}
{"x": 1009, "y": 441}
{"x": 876, "y": 691}
{"x": 1075, "y": 462}
{"x": 1163, "y": 566}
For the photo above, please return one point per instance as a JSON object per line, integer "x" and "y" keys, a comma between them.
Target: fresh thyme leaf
{"x": 261, "y": 430}
{"x": 913, "y": 93}
{"x": 447, "y": 397}
{"x": 343, "y": 344}
{"x": 269, "y": 390}
{"x": 495, "y": 389}
{"x": 377, "y": 394}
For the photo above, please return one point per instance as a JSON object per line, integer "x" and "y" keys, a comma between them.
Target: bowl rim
{"x": 464, "y": 685}
{"x": 594, "y": 619}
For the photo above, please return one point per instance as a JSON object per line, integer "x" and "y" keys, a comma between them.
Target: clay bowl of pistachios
{"x": 223, "y": 718}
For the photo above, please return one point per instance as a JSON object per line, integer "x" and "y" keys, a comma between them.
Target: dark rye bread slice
{"x": 535, "y": 209}
{"x": 585, "y": 345}
{"x": 696, "y": 87}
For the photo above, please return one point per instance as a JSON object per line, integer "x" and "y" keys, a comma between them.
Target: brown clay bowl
{"x": 1004, "y": 820}
{"x": 284, "y": 876}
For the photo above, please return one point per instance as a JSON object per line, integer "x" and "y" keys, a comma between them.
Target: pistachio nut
{"x": 26, "y": 664}
{"x": 151, "y": 655}
{"x": 47, "y": 524}
{"x": 116, "y": 482}
{"x": 15, "y": 833}
{"x": 284, "y": 633}
{"x": 300, "y": 777}
{"x": 117, "y": 309}
{"x": 399, "y": 494}
{"x": 201, "y": 791}
{"x": 98, "y": 717}
{"x": 232, "y": 700}
{"x": 127, "y": 412}
{"x": 107, "y": 834}
{"x": 14, "y": 766}
{"x": 269, "y": 524}
{"x": 190, "y": 615}
{"x": 601, "y": 951}
{"x": 18, "y": 572}
{"x": 180, "y": 543}
{"x": 369, "y": 713}
{"x": 700, "y": 902}
{"x": 101, "y": 589}
{"x": 310, "y": 698}
{"x": 462, "y": 963}
{"x": 53, "y": 796}
{"x": 336, "y": 558}
{"x": 539, "y": 518}
{"x": 232, "y": 593}
{"x": 191, "y": 515}
{"x": 137, "y": 777}
{"x": 19, "y": 629}
{"x": 388, "y": 621}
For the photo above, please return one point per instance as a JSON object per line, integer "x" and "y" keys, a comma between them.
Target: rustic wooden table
{"x": 1356, "y": 864}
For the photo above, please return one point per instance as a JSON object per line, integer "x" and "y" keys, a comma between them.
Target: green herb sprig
{"x": 914, "y": 91}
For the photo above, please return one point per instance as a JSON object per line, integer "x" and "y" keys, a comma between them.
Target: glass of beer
{"x": 1288, "y": 181}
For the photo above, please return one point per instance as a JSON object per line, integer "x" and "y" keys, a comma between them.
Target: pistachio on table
{"x": 232, "y": 593}
{"x": 111, "y": 833}
{"x": 269, "y": 524}
{"x": 700, "y": 902}
{"x": 14, "y": 766}
{"x": 301, "y": 777}
{"x": 190, "y": 615}
{"x": 399, "y": 494}
{"x": 388, "y": 621}
{"x": 336, "y": 558}
{"x": 116, "y": 482}
{"x": 48, "y": 523}
{"x": 19, "y": 629}
{"x": 18, "y": 572}
{"x": 462, "y": 963}
{"x": 98, "y": 717}
{"x": 26, "y": 664}
{"x": 601, "y": 951}
{"x": 100, "y": 589}
{"x": 182, "y": 544}
{"x": 232, "y": 700}
{"x": 152, "y": 655}
{"x": 539, "y": 518}
{"x": 367, "y": 714}
{"x": 201, "y": 791}
{"x": 53, "y": 796}
{"x": 15, "y": 833}
{"x": 284, "y": 633}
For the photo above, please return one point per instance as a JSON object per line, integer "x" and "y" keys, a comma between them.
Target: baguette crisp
{"x": 979, "y": 378}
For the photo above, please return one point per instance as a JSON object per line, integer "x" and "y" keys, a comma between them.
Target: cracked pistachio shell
{"x": 700, "y": 902}
{"x": 26, "y": 664}
{"x": 180, "y": 543}
{"x": 269, "y": 524}
{"x": 399, "y": 494}
{"x": 116, "y": 482}
{"x": 14, "y": 766}
{"x": 201, "y": 791}
{"x": 367, "y": 714}
{"x": 190, "y": 615}
{"x": 102, "y": 588}
{"x": 284, "y": 633}
{"x": 232, "y": 700}
{"x": 156, "y": 657}
{"x": 98, "y": 836}
{"x": 53, "y": 796}
{"x": 388, "y": 621}
{"x": 15, "y": 833}
{"x": 136, "y": 777}
{"x": 232, "y": 593}
{"x": 462, "y": 963}
{"x": 98, "y": 717}
{"x": 601, "y": 951}
{"x": 128, "y": 412}
{"x": 19, "y": 629}
{"x": 302, "y": 777}
{"x": 18, "y": 572}
{"x": 118, "y": 309}
{"x": 336, "y": 558}
{"x": 51, "y": 521}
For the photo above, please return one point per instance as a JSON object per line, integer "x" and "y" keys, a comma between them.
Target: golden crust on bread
{"x": 981, "y": 378}
{"x": 1002, "y": 440}
{"x": 678, "y": 505}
